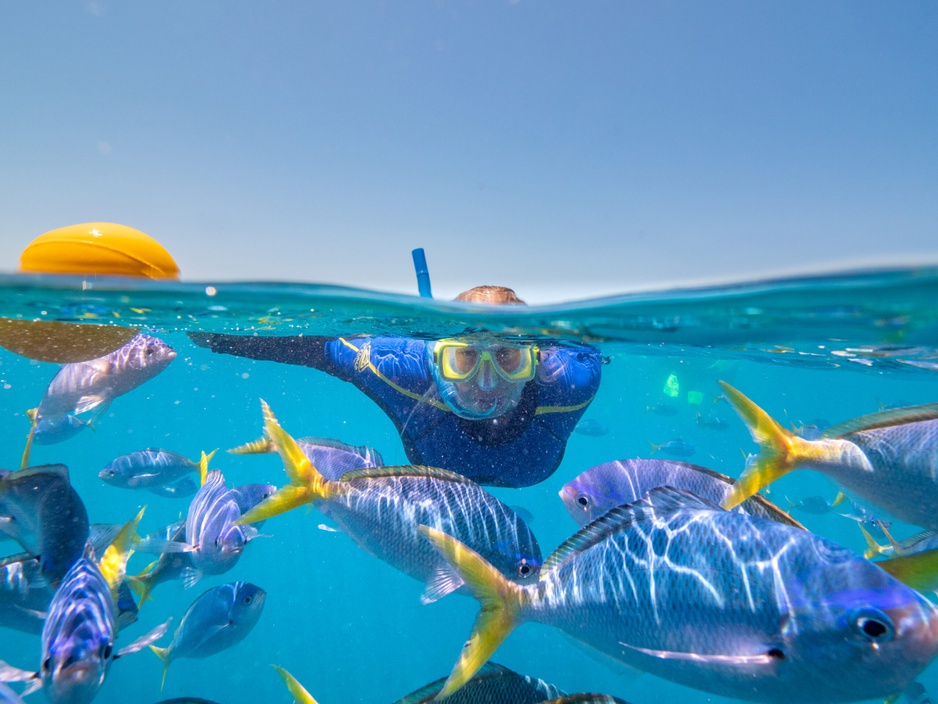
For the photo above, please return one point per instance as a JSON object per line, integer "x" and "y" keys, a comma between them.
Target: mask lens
{"x": 509, "y": 359}
{"x": 465, "y": 359}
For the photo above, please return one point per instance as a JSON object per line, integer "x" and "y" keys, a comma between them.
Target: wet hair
{"x": 495, "y": 295}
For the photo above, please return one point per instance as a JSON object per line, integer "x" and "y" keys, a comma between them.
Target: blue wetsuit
{"x": 519, "y": 448}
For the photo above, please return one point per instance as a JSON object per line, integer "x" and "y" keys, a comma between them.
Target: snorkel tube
{"x": 423, "y": 275}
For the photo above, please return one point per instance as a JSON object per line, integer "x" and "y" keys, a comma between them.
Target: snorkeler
{"x": 497, "y": 411}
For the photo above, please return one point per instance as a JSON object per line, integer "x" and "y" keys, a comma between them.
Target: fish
{"x": 663, "y": 409}
{"x": 605, "y": 486}
{"x": 41, "y": 510}
{"x": 218, "y": 619}
{"x": 712, "y": 421}
{"x": 79, "y": 634}
{"x": 213, "y": 533}
{"x": 51, "y": 430}
{"x": 591, "y": 428}
{"x": 888, "y": 458}
{"x": 169, "y": 566}
{"x": 331, "y": 457}
{"x": 492, "y": 684}
{"x": 380, "y": 508}
{"x": 25, "y": 596}
{"x": 724, "y": 602}
{"x": 151, "y": 468}
{"x": 180, "y": 489}
{"x": 91, "y": 386}
{"x": 816, "y": 505}
{"x": 677, "y": 447}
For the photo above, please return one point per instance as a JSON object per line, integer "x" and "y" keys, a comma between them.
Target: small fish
{"x": 677, "y": 587}
{"x": 678, "y": 447}
{"x": 712, "y": 421}
{"x": 663, "y": 409}
{"x": 887, "y": 458}
{"x": 591, "y": 428}
{"x": 605, "y": 486}
{"x": 44, "y": 514}
{"x": 212, "y": 529}
{"x": 219, "y": 618}
{"x": 380, "y": 508}
{"x": 812, "y": 430}
{"x": 151, "y": 468}
{"x": 180, "y": 489}
{"x": 79, "y": 633}
{"x": 247, "y": 496}
{"x": 816, "y": 505}
{"x": 25, "y": 596}
{"x": 170, "y": 565}
{"x": 331, "y": 457}
{"x": 51, "y": 430}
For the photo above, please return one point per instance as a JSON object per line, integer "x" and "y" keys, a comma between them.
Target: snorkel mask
{"x": 456, "y": 366}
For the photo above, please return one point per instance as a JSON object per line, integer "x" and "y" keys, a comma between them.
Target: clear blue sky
{"x": 568, "y": 149}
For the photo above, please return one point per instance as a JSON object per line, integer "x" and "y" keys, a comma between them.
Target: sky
{"x": 565, "y": 149}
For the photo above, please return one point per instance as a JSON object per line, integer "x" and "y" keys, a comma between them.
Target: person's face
{"x": 483, "y": 379}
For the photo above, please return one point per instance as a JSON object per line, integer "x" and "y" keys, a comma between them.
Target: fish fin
{"x": 250, "y": 533}
{"x": 33, "y": 415}
{"x": 89, "y": 403}
{"x": 18, "y": 557}
{"x": 444, "y": 581}
{"x": 261, "y": 446}
{"x": 146, "y": 640}
{"x": 873, "y": 549}
{"x": 663, "y": 499}
{"x": 113, "y": 564}
{"x": 919, "y": 570}
{"x": 883, "y": 419}
{"x": 8, "y": 673}
{"x": 405, "y": 471}
{"x": 162, "y": 654}
{"x": 203, "y": 465}
{"x": 501, "y": 602}
{"x": 767, "y": 658}
{"x": 141, "y": 585}
{"x": 368, "y": 454}
{"x": 297, "y": 691}
{"x": 892, "y": 541}
{"x": 780, "y": 451}
{"x": 791, "y": 504}
{"x": 190, "y": 577}
{"x": 839, "y": 499}
{"x": 285, "y": 499}
{"x": 654, "y": 448}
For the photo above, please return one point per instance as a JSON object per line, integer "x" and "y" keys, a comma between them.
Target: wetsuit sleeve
{"x": 303, "y": 350}
{"x": 568, "y": 378}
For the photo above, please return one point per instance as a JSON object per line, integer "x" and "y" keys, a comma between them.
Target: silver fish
{"x": 332, "y": 458}
{"x": 381, "y": 508}
{"x": 24, "y": 597}
{"x": 724, "y": 602}
{"x": 50, "y": 430}
{"x": 677, "y": 447}
{"x": 888, "y": 458}
{"x": 219, "y": 618}
{"x": 611, "y": 484}
{"x": 591, "y": 428}
{"x": 83, "y": 386}
{"x": 149, "y": 468}
{"x": 44, "y": 514}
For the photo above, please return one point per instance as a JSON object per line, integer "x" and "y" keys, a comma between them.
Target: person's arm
{"x": 568, "y": 376}
{"x": 303, "y": 350}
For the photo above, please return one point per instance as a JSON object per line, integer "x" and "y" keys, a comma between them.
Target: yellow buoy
{"x": 98, "y": 249}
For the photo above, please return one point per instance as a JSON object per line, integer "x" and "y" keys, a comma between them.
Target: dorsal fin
{"x": 662, "y": 499}
{"x": 407, "y": 470}
{"x": 883, "y": 419}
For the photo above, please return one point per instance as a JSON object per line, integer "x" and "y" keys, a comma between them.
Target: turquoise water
{"x": 351, "y": 628}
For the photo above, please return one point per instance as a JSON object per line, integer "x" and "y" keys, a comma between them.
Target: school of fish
{"x": 676, "y": 570}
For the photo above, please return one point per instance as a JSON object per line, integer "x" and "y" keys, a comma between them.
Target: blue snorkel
{"x": 423, "y": 275}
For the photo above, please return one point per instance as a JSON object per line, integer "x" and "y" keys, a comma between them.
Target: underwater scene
{"x": 400, "y": 460}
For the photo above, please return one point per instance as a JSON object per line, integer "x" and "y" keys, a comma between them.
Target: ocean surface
{"x": 816, "y": 350}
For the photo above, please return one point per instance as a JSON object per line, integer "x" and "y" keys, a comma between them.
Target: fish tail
{"x": 501, "y": 602}
{"x": 162, "y": 654}
{"x": 297, "y": 691}
{"x": 33, "y": 415}
{"x": 839, "y": 499}
{"x": 919, "y": 570}
{"x": 892, "y": 541}
{"x": 791, "y": 505}
{"x": 113, "y": 563}
{"x": 203, "y": 465}
{"x": 261, "y": 446}
{"x": 654, "y": 448}
{"x": 141, "y": 585}
{"x": 307, "y": 485}
{"x": 873, "y": 549}
{"x": 780, "y": 450}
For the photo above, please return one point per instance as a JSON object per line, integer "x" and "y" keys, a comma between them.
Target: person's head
{"x": 481, "y": 376}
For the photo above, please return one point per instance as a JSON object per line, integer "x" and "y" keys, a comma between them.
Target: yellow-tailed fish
{"x": 380, "y": 509}
{"x": 888, "y": 458}
{"x": 724, "y": 602}
{"x": 299, "y": 693}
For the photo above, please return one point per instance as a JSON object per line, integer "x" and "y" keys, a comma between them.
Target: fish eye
{"x": 108, "y": 650}
{"x": 247, "y": 600}
{"x": 524, "y": 569}
{"x": 583, "y": 500}
{"x": 873, "y": 625}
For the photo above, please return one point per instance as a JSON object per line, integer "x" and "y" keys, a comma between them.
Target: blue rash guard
{"x": 519, "y": 448}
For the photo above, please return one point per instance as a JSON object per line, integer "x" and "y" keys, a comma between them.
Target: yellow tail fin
{"x": 873, "y": 549}
{"x": 297, "y": 690}
{"x": 780, "y": 450}
{"x": 919, "y": 570}
{"x": 306, "y": 485}
{"x": 203, "y": 465}
{"x": 162, "y": 654}
{"x": 260, "y": 446}
{"x": 113, "y": 564}
{"x": 33, "y": 415}
{"x": 501, "y": 601}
